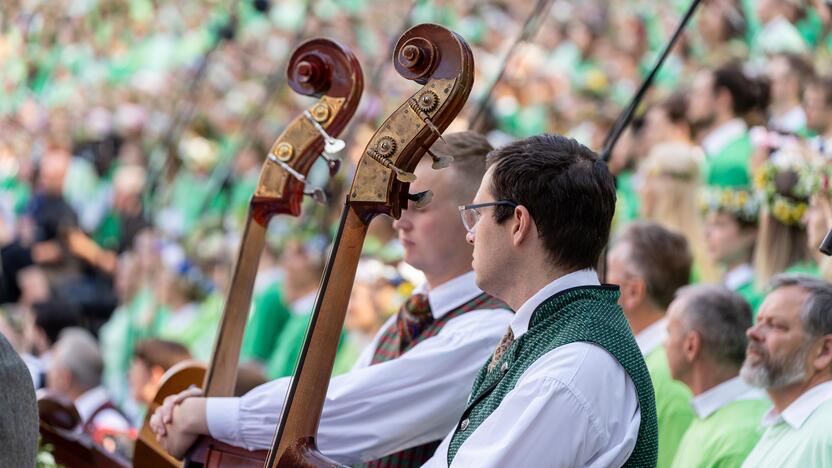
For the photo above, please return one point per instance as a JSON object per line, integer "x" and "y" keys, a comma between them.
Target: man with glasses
{"x": 412, "y": 382}
{"x": 567, "y": 385}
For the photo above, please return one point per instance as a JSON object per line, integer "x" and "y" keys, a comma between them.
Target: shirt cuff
{"x": 223, "y": 417}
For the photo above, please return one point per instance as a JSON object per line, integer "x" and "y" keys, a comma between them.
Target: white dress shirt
{"x": 799, "y": 411}
{"x": 652, "y": 337}
{"x": 373, "y": 411}
{"x": 716, "y": 398}
{"x": 575, "y": 406}
{"x": 90, "y": 401}
{"x": 792, "y": 121}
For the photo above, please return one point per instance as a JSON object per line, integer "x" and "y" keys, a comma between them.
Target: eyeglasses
{"x": 471, "y": 215}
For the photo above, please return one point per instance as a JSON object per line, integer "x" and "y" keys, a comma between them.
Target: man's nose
{"x": 469, "y": 237}
{"x": 754, "y": 333}
{"x": 402, "y": 224}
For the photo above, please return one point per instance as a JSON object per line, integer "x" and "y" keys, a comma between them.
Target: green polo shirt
{"x": 726, "y": 428}
{"x": 673, "y": 409}
{"x": 799, "y": 437}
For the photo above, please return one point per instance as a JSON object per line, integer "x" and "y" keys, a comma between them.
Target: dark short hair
{"x": 53, "y": 317}
{"x": 660, "y": 256}
{"x": 721, "y": 317}
{"x": 568, "y": 190}
{"x": 676, "y": 108}
{"x": 816, "y": 316}
{"x": 162, "y": 353}
{"x": 747, "y": 94}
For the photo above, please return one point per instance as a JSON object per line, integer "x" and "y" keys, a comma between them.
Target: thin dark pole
{"x": 185, "y": 114}
{"x": 626, "y": 117}
{"x": 530, "y": 27}
{"x": 222, "y": 172}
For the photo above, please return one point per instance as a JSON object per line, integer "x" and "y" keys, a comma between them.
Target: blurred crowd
{"x": 132, "y": 134}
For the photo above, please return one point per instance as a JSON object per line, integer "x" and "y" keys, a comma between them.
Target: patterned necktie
{"x": 505, "y": 342}
{"x": 413, "y": 317}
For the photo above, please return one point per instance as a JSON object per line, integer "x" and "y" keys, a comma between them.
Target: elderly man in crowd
{"x": 75, "y": 371}
{"x": 650, "y": 263}
{"x": 705, "y": 347}
{"x": 790, "y": 355}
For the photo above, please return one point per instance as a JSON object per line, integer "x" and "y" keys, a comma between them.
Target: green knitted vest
{"x": 588, "y": 314}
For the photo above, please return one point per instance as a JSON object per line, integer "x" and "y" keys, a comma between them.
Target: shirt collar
{"x": 714, "y": 399}
{"x": 652, "y": 337}
{"x": 799, "y": 411}
{"x": 791, "y": 121}
{"x": 738, "y": 277}
{"x": 520, "y": 323}
{"x": 724, "y": 135}
{"x": 450, "y": 294}
{"x": 89, "y": 401}
{"x": 305, "y": 304}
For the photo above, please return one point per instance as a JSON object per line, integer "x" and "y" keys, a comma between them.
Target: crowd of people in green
{"x": 132, "y": 133}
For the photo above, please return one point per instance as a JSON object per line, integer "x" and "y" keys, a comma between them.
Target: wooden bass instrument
{"x": 320, "y": 68}
{"x": 442, "y": 63}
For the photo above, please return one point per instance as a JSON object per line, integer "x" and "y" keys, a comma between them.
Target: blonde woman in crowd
{"x": 782, "y": 245}
{"x": 669, "y": 188}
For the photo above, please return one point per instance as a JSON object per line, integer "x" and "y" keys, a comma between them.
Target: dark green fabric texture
{"x": 583, "y": 314}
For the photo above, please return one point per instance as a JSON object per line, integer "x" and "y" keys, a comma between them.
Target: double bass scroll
{"x": 442, "y": 62}
{"x": 320, "y": 68}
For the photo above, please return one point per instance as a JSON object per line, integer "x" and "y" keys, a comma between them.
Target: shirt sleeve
{"x": 377, "y": 410}
{"x": 575, "y": 406}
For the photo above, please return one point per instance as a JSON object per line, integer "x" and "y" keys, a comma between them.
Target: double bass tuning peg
{"x": 385, "y": 148}
{"x": 332, "y": 145}
{"x": 316, "y": 193}
{"x": 427, "y": 102}
{"x": 440, "y": 161}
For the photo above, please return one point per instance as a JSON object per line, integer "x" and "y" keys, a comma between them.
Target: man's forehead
{"x": 439, "y": 181}
{"x": 784, "y": 302}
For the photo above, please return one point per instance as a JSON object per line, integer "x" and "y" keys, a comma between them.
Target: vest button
{"x": 504, "y": 368}
{"x": 464, "y": 424}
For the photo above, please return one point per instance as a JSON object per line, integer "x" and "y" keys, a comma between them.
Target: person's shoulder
{"x": 736, "y": 422}
{"x": 479, "y": 322}
{"x": 819, "y": 423}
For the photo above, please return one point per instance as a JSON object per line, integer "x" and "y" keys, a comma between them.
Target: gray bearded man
{"x": 790, "y": 356}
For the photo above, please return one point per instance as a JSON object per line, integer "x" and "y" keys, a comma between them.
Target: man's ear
{"x": 633, "y": 292}
{"x": 156, "y": 373}
{"x": 823, "y": 359}
{"x": 692, "y": 345}
{"x": 522, "y": 225}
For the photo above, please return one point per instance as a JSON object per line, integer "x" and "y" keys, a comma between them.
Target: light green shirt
{"x": 673, "y": 408}
{"x": 726, "y": 427}
{"x": 800, "y": 436}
